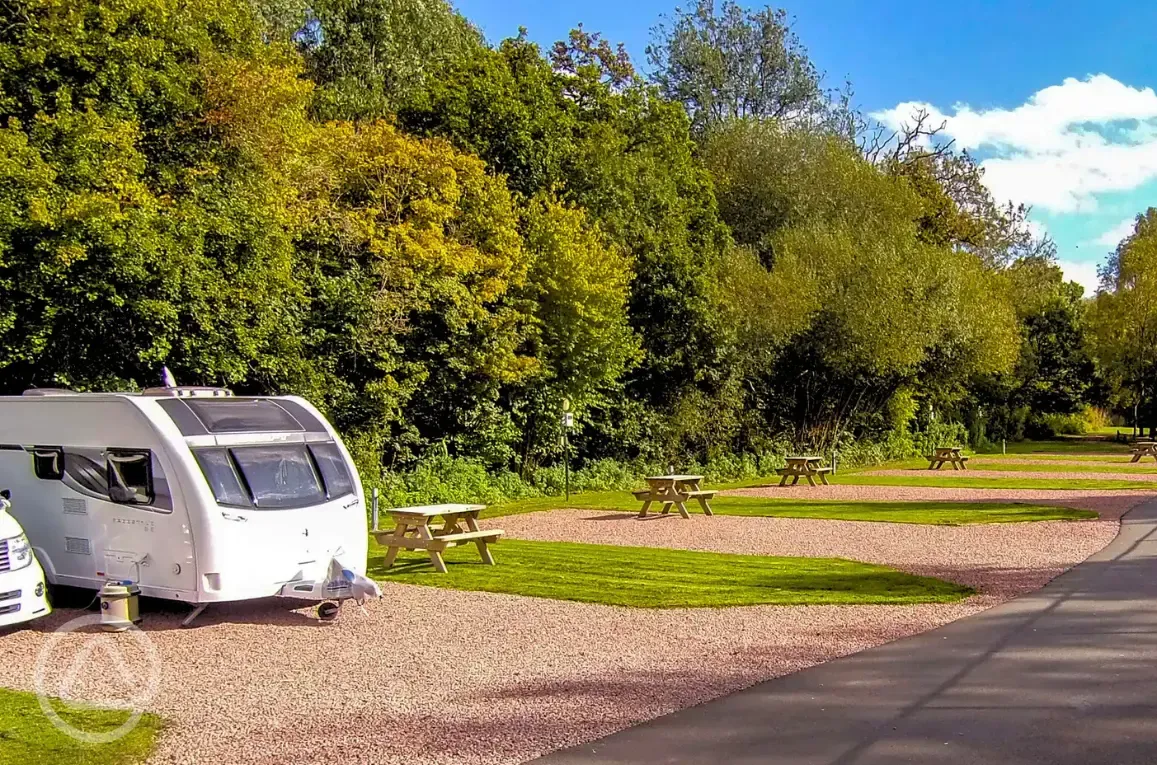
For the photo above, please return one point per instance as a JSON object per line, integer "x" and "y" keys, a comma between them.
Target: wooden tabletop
{"x": 949, "y": 448}
{"x": 804, "y": 459}
{"x": 676, "y": 478}
{"x": 430, "y": 511}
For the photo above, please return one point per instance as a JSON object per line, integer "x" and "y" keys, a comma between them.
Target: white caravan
{"x": 22, "y": 595}
{"x": 192, "y": 493}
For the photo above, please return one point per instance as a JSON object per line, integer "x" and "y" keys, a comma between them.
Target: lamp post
{"x": 567, "y": 424}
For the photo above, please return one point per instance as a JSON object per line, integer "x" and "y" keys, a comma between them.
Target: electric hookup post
{"x": 567, "y": 424}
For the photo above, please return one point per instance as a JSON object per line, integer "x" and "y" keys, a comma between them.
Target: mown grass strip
{"x": 644, "y": 577}
{"x": 934, "y": 513}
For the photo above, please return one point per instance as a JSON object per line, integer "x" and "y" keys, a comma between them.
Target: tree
{"x": 579, "y": 283}
{"x": 599, "y": 140}
{"x": 959, "y": 210}
{"x": 370, "y": 57}
{"x": 1124, "y": 316}
{"x": 131, "y": 235}
{"x": 874, "y": 310}
{"x": 725, "y": 62}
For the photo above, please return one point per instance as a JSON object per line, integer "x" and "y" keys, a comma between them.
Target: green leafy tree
{"x": 131, "y": 235}
{"x": 725, "y": 62}
{"x": 1124, "y": 318}
{"x": 600, "y": 140}
{"x": 370, "y": 57}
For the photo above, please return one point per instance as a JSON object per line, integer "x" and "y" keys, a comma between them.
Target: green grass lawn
{"x": 962, "y": 480}
{"x": 1119, "y": 457}
{"x": 1073, "y": 467}
{"x": 27, "y": 737}
{"x": 936, "y": 513}
{"x": 644, "y": 577}
{"x": 1064, "y": 446}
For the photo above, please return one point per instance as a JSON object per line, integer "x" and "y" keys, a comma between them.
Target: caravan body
{"x": 192, "y": 493}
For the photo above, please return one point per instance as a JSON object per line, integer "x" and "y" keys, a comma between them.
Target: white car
{"x": 22, "y": 593}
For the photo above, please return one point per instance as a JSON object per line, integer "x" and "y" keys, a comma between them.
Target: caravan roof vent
{"x": 188, "y": 391}
{"x": 49, "y": 392}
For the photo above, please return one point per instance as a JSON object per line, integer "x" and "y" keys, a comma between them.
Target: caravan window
{"x": 244, "y": 416}
{"x": 48, "y": 462}
{"x": 338, "y": 482}
{"x": 279, "y": 476}
{"x": 130, "y": 476}
{"x": 222, "y": 478}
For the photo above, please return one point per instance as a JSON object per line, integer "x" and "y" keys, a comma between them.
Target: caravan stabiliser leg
{"x": 194, "y": 614}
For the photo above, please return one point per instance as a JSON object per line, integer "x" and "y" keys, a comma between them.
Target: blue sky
{"x": 1055, "y": 98}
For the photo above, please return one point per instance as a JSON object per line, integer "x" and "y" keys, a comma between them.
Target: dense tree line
{"x": 440, "y": 241}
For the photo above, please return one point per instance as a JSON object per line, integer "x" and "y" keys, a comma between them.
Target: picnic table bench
{"x": 1144, "y": 449}
{"x": 674, "y": 491}
{"x": 803, "y": 467}
{"x": 414, "y": 529}
{"x": 950, "y": 454}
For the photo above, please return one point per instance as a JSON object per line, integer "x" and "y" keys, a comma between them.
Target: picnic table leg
{"x": 811, "y": 481}
{"x": 392, "y": 552}
{"x": 1137, "y": 457}
{"x": 666, "y": 508}
{"x": 783, "y": 481}
{"x": 483, "y": 550}
{"x": 824, "y": 479}
{"x": 795, "y": 480}
{"x": 963, "y": 465}
{"x": 706, "y": 507}
{"x": 955, "y": 466}
{"x": 683, "y": 510}
{"x": 646, "y": 507}
{"x": 435, "y": 555}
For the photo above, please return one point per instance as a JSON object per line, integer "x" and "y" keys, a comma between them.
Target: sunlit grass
{"x": 644, "y": 577}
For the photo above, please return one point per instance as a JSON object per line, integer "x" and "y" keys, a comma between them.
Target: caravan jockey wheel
{"x": 328, "y": 611}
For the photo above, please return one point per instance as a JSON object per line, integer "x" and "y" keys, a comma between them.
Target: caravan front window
{"x": 222, "y": 478}
{"x": 338, "y": 482}
{"x": 279, "y": 476}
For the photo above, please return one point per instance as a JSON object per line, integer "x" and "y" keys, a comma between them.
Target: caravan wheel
{"x": 328, "y": 611}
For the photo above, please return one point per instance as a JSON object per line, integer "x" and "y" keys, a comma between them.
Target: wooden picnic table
{"x": 803, "y": 467}
{"x": 1144, "y": 449}
{"x": 949, "y": 454}
{"x": 674, "y": 491}
{"x": 414, "y": 530}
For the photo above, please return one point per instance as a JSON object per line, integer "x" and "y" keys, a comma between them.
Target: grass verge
{"x": 934, "y": 513}
{"x": 961, "y": 480}
{"x": 27, "y": 736}
{"x": 645, "y": 577}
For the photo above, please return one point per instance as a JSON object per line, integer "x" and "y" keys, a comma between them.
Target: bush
{"x": 1052, "y": 425}
{"x": 441, "y": 478}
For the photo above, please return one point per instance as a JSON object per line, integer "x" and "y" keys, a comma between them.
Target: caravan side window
{"x": 48, "y": 462}
{"x": 130, "y": 476}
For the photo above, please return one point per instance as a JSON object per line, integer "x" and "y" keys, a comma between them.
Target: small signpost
{"x": 567, "y": 424}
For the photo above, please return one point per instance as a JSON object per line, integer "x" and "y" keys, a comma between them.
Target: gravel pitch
{"x": 438, "y": 676}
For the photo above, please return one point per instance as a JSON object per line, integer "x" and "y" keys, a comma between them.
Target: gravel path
{"x": 981, "y": 473}
{"x": 438, "y": 676}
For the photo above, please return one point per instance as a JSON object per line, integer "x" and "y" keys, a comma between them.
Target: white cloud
{"x": 1060, "y": 148}
{"x": 1113, "y": 236}
{"x": 1084, "y": 274}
